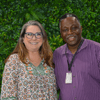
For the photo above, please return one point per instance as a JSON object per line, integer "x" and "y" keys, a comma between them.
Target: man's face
{"x": 71, "y": 31}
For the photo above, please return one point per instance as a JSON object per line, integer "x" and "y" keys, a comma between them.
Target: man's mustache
{"x": 70, "y": 36}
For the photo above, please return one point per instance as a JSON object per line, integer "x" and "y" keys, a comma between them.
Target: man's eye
{"x": 65, "y": 30}
{"x": 74, "y": 28}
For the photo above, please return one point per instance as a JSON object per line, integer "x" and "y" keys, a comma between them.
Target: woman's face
{"x": 33, "y": 42}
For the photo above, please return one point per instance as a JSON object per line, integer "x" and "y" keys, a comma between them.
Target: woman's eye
{"x": 30, "y": 34}
{"x": 38, "y": 34}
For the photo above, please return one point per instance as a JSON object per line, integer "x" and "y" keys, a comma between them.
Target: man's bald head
{"x": 68, "y": 15}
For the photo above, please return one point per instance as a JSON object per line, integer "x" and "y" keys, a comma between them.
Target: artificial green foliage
{"x": 55, "y": 42}
{"x": 14, "y": 13}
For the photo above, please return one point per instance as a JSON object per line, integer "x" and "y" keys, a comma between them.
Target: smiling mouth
{"x": 71, "y": 38}
{"x": 33, "y": 43}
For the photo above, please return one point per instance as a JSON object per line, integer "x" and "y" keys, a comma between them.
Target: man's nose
{"x": 69, "y": 31}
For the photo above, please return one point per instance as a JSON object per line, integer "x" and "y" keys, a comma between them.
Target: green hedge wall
{"x": 14, "y": 13}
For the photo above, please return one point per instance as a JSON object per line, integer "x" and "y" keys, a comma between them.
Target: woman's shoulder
{"x": 13, "y": 58}
{"x": 12, "y": 64}
{"x": 51, "y": 69}
{"x": 15, "y": 55}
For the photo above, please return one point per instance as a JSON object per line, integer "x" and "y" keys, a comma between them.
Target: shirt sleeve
{"x": 9, "y": 80}
{"x": 98, "y": 58}
{"x": 97, "y": 53}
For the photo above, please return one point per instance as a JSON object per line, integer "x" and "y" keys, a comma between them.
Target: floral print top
{"x": 27, "y": 82}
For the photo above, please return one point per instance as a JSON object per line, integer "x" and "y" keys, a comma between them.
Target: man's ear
{"x": 61, "y": 34}
{"x": 60, "y": 27}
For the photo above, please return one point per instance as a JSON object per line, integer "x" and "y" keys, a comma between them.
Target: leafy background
{"x": 15, "y": 13}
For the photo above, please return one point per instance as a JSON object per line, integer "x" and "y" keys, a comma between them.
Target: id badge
{"x": 68, "y": 78}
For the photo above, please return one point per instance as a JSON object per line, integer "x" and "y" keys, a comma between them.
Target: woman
{"x": 28, "y": 72}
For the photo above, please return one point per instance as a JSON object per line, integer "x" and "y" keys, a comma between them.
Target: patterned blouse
{"x": 27, "y": 82}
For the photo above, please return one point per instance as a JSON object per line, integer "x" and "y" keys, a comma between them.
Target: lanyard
{"x": 70, "y": 65}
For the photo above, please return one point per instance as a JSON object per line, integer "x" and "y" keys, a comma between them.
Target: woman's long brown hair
{"x": 45, "y": 50}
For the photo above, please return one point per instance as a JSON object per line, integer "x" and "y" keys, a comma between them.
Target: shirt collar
{"x": 27, "y": 61}
{"x": 84, "y": 45}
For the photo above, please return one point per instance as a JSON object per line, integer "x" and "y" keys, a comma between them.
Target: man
{"x": 77, "y": 63}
